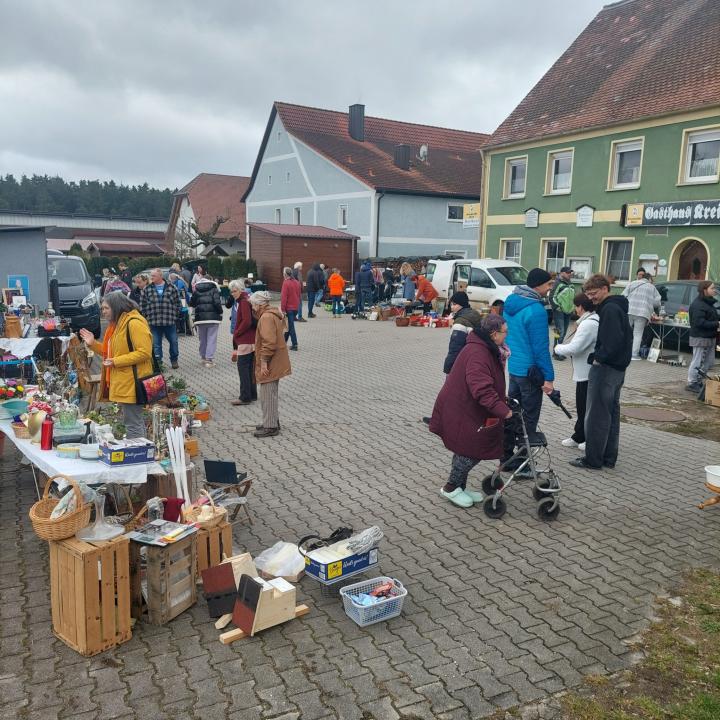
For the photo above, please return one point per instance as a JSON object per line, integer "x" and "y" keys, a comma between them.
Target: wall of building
{"x": 418, "y": 225}
{"x": 661, "y": 158}
{"x": 330, "y": 252}
{"x": 24, "y": 252}
{"x": 265, "y": 249}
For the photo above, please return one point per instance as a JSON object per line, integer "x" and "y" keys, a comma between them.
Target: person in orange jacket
{"x": 336, "y": 287}
{"x": 426, "y": 293}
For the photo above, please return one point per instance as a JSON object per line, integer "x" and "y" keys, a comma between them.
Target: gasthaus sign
{"x": 693, "y": 212}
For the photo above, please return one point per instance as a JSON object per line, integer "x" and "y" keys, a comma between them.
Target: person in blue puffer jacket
{"x": 530, "y": 365}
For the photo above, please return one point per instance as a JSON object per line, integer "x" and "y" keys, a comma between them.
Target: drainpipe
{"x": 378, "y": 197}
{"x": 483, "y": 190}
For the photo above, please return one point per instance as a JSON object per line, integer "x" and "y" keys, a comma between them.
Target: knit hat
{"x": 537, "y": 277}
{"x": 460, "y": 298}
{"x": 261, "y": 297}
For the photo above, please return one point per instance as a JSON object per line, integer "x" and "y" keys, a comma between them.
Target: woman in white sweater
{"x": 578, "y": 346}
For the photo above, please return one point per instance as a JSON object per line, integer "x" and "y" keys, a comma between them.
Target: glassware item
{"x": 100, "y": 529}
{"x": 46, "y": 434}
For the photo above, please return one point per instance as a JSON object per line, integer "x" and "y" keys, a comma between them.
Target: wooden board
{"x": 232, "y": 635}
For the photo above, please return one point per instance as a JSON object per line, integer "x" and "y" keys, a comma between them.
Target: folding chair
{"x": 224, "y": 474}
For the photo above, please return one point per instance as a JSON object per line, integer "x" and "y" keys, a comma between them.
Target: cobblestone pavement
{"x": 499, "y": 613}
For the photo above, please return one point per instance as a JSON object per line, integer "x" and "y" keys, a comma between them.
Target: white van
{"x": 485, "y": 281}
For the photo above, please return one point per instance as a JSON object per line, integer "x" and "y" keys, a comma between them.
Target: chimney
{"x": 402, "y": 157}
{"x": 356, "y": 122}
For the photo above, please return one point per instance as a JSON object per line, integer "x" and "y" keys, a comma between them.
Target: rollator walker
{"x": 531, "y": 460}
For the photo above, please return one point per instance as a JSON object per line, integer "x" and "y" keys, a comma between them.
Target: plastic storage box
{"x": 383, "y": 610}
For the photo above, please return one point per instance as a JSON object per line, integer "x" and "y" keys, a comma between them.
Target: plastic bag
{"x": 281, "y": 560}
{"x": 67, "y": 502}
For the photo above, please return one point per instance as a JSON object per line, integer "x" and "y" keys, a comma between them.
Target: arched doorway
{"x": 689, "y": 260}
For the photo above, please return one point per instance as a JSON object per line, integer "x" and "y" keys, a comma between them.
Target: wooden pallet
{"x": 90, "y": 594}
{"x": 213, "y": 545}
{"x": 170, "y": 574}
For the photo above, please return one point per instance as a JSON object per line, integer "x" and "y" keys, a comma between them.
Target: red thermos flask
{"x": 46, "y": 434}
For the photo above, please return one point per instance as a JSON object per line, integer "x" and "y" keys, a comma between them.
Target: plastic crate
{"x": 368, "y": 614}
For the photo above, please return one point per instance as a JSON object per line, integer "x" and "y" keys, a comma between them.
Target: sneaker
{"x": 426, "y": 419}
{"x": 693, "y": 387}
{"x": 458, "y": 497}
{"x": 312, "y": 315}
{"x": 569, "y": 442}
{"x": 266, "y": 432}
{"x": 300, "y": 320}
{"x": 174, "y": 364}
{"x": 635, "y": 357}
{"x": 581, "y": 447}
{"x": 475, "y": 495}
{"x": 293, "y": 347}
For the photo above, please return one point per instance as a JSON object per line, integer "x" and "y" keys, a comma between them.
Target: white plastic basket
{"x": 383, "y": 610}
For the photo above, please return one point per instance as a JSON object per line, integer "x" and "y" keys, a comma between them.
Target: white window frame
{"x": 447, "y": 212}
{"x": 544, "y": 248}
{"x": 552, "y": 156}
{"x": 507, "y": 182}
{"x": 503, "y": 249}
{"x": 709, "y": 133}
{"x": 269, "y": 179}
{"x": 343, "y": 214}
{"x": 606, "y": 254}
{"x": 620, "y": 146}
{"x": 278, "y": 216}
{"x": 296, "y": 215}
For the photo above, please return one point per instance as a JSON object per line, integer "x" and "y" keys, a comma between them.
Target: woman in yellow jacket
{"x": 117, "y": 380}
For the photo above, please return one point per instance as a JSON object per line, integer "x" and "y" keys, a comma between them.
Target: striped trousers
{"x": 268, "y": 394}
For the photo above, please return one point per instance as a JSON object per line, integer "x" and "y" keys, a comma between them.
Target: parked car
{"x": 485, "y": 281}
{"x": 77, "y": 299}
{"x": 678, "y": 295}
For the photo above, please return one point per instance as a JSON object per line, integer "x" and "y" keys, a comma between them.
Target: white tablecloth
{"x": 25, "y": 347}
{"x": 91, "y": 472}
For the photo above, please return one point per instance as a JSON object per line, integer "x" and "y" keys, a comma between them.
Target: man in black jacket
{"x": 609, "y": 360}
{"x": 314, "y": 282}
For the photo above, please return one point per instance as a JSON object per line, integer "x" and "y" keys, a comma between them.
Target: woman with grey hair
{"x": 242, "y": 327}
{"x": 272, "y": 360}
{"x": 290, "y": 299}
{"x": 126, "y": 349}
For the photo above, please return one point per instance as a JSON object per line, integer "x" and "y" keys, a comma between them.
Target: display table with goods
{"x": 663, "y": 328}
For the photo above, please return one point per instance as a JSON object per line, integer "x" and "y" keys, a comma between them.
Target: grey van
{"x": 77, "y": 300}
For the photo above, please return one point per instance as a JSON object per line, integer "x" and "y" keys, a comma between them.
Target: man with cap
{"x": 529, "y": 366}
{"x": 561, "y": 301}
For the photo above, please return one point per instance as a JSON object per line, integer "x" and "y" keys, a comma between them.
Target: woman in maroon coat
{"x": 242, "y": 324}
{"x": 470, "y": 409}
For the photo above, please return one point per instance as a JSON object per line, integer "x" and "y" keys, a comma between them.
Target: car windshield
{"x": 430, "y": 270}
{"x": 67, "y": 271}
{"x": 509, "y": 275}
{"x": 673, "y": 294}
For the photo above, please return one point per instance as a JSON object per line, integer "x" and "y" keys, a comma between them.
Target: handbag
{"x": 149, "y": 389}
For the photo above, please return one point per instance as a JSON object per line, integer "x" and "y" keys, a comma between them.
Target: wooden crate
{"x": 212, "y": 545}
{"x": 170, "y": 575}
{"x": 90, "y": 594}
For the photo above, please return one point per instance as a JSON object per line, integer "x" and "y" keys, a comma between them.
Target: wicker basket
{"x": 402, "y": 321}
{"x": 219, "y": 514}
{"x": 66, "y": 525}
{"x": 21, "y": 430}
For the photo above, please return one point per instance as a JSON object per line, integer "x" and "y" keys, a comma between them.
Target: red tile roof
{"x": 306, "y": 231}
{"x": 636, "y": 59}
{"x": 212, "y": 196}
{"x": 453, "y": 166}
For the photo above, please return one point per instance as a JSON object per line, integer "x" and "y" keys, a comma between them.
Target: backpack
{"x": 564, "y": 298}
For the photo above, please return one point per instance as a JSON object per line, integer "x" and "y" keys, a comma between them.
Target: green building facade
{"x": 610, "y": 200}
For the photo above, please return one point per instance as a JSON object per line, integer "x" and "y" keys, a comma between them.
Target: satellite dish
{"x": 423, "y": 153}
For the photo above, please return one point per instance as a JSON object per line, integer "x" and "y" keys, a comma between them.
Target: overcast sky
{"x": 153, "y": 91}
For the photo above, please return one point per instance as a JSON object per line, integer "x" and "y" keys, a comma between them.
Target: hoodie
{"x": 614, "y": 340}
{"x": 527, "y": 338}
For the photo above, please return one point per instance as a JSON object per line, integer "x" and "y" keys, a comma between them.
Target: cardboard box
{"x": 712, "y": 392}
{"x": 330, "y": 572}
{"x": 133, "y": 455}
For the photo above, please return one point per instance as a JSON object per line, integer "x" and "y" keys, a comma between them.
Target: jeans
{"x": 319, "y": 296}
{"x": 299, "y": 310}
{"x": 336, "y": 302}
{"x": 364, "y": 295}
{"x": 311, "y": 302}
{"x": 459, "y": 471}
{"x": 602, "y": 418}
{"x": 165, "y": 331}
{"x": 246, "y": 371}
{"x": 530, "y": 398}
{"x": 133, "y": 419}
{"x": 291, "y": 315}
{"x": 703, "y": 359}
{"x": 208, "y": 332}
{"x": 580, "y": 409}
{"x": 561, "y": 322}
{"x": 638, "y": 324}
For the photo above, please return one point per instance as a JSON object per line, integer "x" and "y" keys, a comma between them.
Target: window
{"x": 455, "y": 213}
{"x": 702, "y": 156}
{"x": 296, "y": 216}
{"x": 626, "y": 162}
{"x": 342, "y": 216}
{"x": 287, "y": 176}
{"x": 479, "y": 278}
{"x": 618, "y": 259}
{"x": 278, "y": 216}
{"x": 511, "y": 250}
{"x": 269, "y": 179}
{"x": 554, "y": 255}
{"x": 430, "y": 270}
{"x": 515, "y": 174}
{"x": 508, "y": 275}
{"x": 560, "y": 166}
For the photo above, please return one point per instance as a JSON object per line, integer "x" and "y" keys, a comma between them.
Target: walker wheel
{"x": 548, "y": 508}
{"x": 491, "y": 483}
{"x": 539, "y": 491}
{"x": 494, "y": 512}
